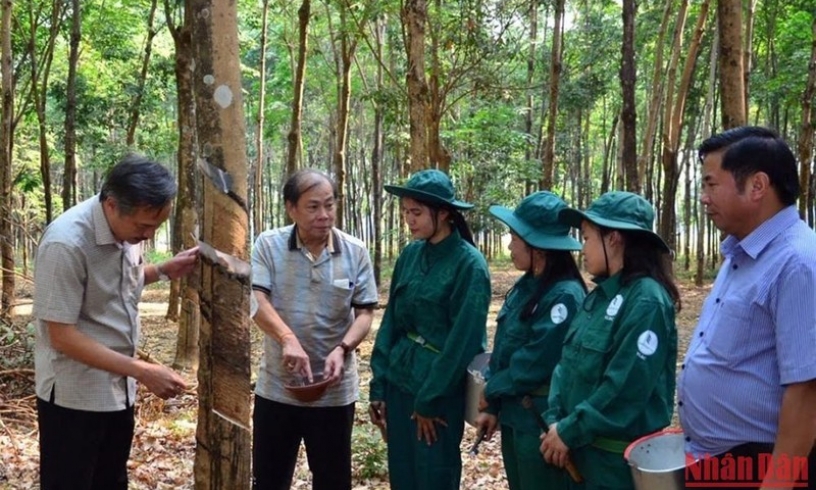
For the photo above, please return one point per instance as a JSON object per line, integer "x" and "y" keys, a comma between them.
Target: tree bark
{"x": 732, "y": 81}
{"x": 223, "y": 451}
{"x": 70, "y": 171}
{"x": 628, "y": 77}
{"x": 548, "y": 163}
{"x": 377, "y": 154}
{"x": 708, "y": 108}
{"x": 414, "y": 19}
{"x": 294, "y": 155}
{"x": 40, "y": 71}
{"x": 184, "y": 293}
{"x": 257, "y": 181}
{"x": 748, "y": 51}
{"x": 529, "y": 149}
{"x": 655, "y": 96}
{"x": 805, "y": 140}
{"x": 348, "y": 47}
{"x": 6, "y": 138}
{"x": 135, "y": 108}
{"x": 672, "y": 117}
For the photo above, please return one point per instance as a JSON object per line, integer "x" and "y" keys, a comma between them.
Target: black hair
{"x": 302, "y": 181}
{"x": 643, "y": 257}
{"x": 752, "y": 149}
{"x": 559, "y": 265}
{"x": 137, "y": 182}
{"x": 457, "y": 219}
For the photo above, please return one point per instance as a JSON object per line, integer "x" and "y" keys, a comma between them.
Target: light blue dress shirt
{"x": 756, "y": 334}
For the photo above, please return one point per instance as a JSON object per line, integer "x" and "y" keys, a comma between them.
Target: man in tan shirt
{"x": 89, "y": 278}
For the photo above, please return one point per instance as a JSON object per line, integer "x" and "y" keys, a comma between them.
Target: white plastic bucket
{"x": 658, "y": 461}
{"x": 475, "y": 386}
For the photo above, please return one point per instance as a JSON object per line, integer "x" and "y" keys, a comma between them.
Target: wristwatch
{"x": 346, "y": 348}
{"x": 162, "y": 275}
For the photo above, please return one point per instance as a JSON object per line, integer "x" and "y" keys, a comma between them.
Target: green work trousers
{"x": 413, "y": 464}
{"x": 524, "y": 464}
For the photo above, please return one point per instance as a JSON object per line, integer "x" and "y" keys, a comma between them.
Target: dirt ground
{"x": 164, "y": 444}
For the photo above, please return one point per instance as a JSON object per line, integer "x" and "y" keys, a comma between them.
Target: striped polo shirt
{"x": 315, "y": 297}
{"x": 84, "y": 277}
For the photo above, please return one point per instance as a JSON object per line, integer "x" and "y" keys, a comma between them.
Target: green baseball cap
{"x": 617, "y": 210}
{"x": 535, "y": 220}
{"x": 430, "y": 186}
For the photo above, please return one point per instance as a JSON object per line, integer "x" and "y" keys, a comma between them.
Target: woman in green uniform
{"x": 615, "y": 380}
{"x": 531, "y": 327}
{"x": 433, "y": 326}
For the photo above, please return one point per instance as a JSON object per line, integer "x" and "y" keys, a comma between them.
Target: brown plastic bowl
{"x": 309, "y": 392}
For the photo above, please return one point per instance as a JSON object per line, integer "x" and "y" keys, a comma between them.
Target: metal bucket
{"x": 476, "y": 374}
{"x": 658, "y": 461}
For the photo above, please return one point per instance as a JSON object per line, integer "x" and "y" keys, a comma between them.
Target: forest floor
{"x": 164, "y": 443}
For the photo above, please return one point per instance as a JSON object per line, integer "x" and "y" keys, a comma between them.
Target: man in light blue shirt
{"x": 748, "y": 383}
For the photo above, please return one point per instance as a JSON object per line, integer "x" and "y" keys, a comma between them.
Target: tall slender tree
{"x": 805, "y": 140}
{"x": 628, "y": 77}
{"x": 40, "y": 71}
{"x": 257, "y": 180}
{"x": 655, "y": 94}
{"x": 136, "y": 104}
{"x": 6, "y": 138}
{"x": 414, "y": 20}
{"x": 70, "y": 171}
{"x": 548, "y": 161}
{"x": 223, "y": 456}
{"x": 295, "y": 142}
{"x": 732, "y": 76}
{"x": 184, "y": 293}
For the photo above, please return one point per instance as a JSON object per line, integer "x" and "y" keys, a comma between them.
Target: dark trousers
{"x": 277, "y": 431}
{"x": 749, "y": 461}
{"x": 81, "y": 450}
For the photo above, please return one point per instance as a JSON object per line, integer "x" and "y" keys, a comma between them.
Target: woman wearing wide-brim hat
{"x": 530, "y": 331}
{"x": 433, "y": 326}
{"x": 615, "y": 381}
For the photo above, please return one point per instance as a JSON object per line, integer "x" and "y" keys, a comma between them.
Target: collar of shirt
{"x": 609, "y": 286}
{"x": 762, "y": 236}
{"x": 295, "y": 243}
{"x": 448, "y": 244}
{"x": 102, "y": 230}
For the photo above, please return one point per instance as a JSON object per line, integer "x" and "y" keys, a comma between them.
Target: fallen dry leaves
{"x": 164, "y": 442}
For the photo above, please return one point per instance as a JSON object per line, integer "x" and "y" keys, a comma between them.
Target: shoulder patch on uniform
{"x": 647, "y": 343}
{"x": 614, "y": 305}
{"x": 559, "y": 313}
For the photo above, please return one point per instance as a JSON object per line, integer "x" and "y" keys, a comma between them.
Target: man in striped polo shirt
{"x": 89, "y": 277}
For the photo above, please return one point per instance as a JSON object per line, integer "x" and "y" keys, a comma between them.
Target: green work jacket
{"x": 434, "y": 323}
{"x": 525, "y": 352}
{"x": 615, "y": 381}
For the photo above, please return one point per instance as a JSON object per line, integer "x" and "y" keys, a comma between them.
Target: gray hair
{"x": 137, "y": 182}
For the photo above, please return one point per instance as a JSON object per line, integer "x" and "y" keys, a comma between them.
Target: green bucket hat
{"x": 430, "y": 186}
{"x": 535, "y": 220}
{"x": 617, "y": 210}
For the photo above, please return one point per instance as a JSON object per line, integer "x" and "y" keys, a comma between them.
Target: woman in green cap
{"x": 615, "y": 380}
{"x": 433, "y": 326}
{"x": 531, "y": 326}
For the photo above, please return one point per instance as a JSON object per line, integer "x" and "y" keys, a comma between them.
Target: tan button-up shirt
{"x": 84, "y": 277}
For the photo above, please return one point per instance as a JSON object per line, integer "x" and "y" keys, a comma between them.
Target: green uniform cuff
{"x": 428, "y": 409}
{"x": 570, "y": 432}
{"x": 376, "y": 392}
